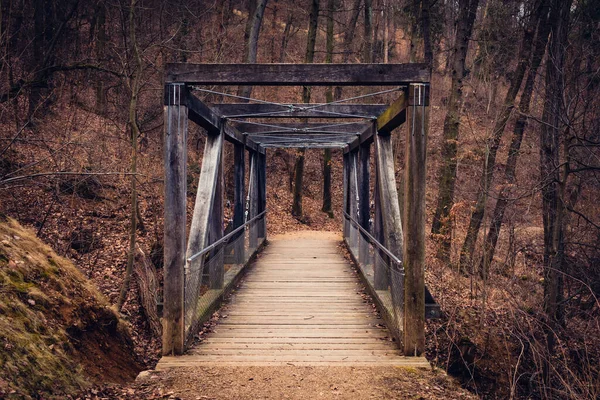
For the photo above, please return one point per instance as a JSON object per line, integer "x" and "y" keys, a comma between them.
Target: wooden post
{"x": 345, "y": 204}
{"x": 364, "y": 209}
{"x": 380, "y": 272}
{"x": 352, "y": 194}
{"x": 253, "y": 206}
{"x": 262, "y": 193}
{"x": 414, "y": 213}
{"x": 239, "y": 155}
{"x": 207, "y": 202}
{"x": 392, "y": 224}
{"x": 217, "y": 269}
{"x": 176, "y": 120}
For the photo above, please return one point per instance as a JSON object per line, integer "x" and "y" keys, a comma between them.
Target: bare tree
{"x": 255, "y": 18}
{"x": 300, "y": 156}
{"x": 489, "y": 163}
{"x": 442, "y": 224}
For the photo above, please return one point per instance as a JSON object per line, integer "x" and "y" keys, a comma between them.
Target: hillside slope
{"x": 57, "y": 332}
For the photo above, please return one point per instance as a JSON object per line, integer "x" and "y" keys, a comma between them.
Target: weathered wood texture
{"x": 380, "y": 272}
{"x": 353, "y": 196}
{"x": 393, "y": 116}
{"x": 176, "y": 118}
{"x": 415, "y": 215}
{"x": 301, "y": 305}
{"x": 304, "y": 127}
{"x": 217, "y": 270}
{"x": 388, "y": 195}
{"x": 239, "y": 156}
{"x": 390, "y": 119}
{"x": 301, "y": 110}
{"x": 345, "y": 206}
{"x": 297, "y": 74}
{"x": 210, "y": 120}
{"x": 253, "y": 198}
{"x": 205, "y": 196}
{"x": 262, "y": 194}
{"x": 364, "y": 171}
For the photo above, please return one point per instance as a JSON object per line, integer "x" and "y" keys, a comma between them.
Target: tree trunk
{"x": 255, "y": 19}
{"x": 38, "y": 55}
{"x": 442, "y": 224}
{"x": 368, "y": 49}
{"x": 515, "y": 145}
{"x": 466, "y": 254}
{"x": 552, "y": 207}
{"x": 286, "y": 36}
{"x": 135, "y": 132}
{"x": 145, "y": 273}
{"x": 309, "y": 58}
{"x": 426, "y": 28}
{"x": 100, "y": 50}
{"x": 326, "y": 208}
{"x": 347, "y": 43}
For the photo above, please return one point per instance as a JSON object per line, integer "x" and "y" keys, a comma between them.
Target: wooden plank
{"x": 415, "y": 214}
{"x": 307, "y": 145}
{"x": 297, "y": 74}
{"x": 296, "y": 346}
{"x": 293, "y": 340}
{"x": 302, "y": 127}
{"x": 313, "y": 110}
{"x": 176, "y": 118}
{"x": 393, "y": 116}
{"x": 299, "y": 321}
{"x": 298, "y": 354}
{"x": 228, "y": 364}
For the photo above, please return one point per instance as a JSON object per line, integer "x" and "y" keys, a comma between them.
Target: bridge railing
{"x": 381, "y": 271}
{"x": 210, "y": 273}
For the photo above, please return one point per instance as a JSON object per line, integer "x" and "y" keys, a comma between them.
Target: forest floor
{"x": 293, "y": 382}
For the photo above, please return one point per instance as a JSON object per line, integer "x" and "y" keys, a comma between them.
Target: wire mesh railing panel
{"x": 212, "y": 270}
{"x": 382, "y": 271}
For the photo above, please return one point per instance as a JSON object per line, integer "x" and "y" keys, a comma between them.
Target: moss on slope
{"x": 58, "y": 334}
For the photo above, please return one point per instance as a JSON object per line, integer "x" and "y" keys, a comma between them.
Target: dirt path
{"x": 220, "y": 380}
{"x": 300, "y": 383}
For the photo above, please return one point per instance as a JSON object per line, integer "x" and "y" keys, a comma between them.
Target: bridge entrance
{"x": 388, "y": 248}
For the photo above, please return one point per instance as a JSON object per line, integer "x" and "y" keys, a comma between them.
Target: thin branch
{"x": 20, "y": 178}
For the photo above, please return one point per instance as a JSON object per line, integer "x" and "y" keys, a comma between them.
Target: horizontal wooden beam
{"x": 393, "y": 116}
{"x": 297, "y": 74}
{"x": 248, "y": 110}
{"x": 366, "y": 136}
{"x": 208, "y": 119}
{"x": 302, "y": 139}
{"x": 390, "y": 119}
{"x": 299, "y": 128}
{"x": 332, "y": 145}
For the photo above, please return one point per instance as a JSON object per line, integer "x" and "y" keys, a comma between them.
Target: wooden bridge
{"x": 301, "y": 302}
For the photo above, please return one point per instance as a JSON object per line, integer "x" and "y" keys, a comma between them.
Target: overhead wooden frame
{"x": 297, "y": 74}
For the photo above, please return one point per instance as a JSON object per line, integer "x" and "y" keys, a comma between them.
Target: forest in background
{"x": 513, "y": 156}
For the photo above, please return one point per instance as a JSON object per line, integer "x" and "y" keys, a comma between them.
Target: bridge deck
{"x": 301, "y": 304}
